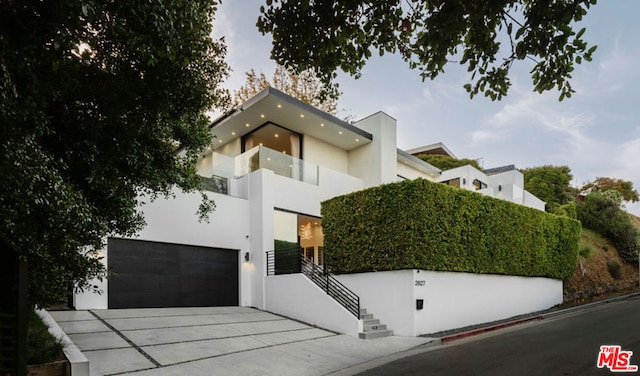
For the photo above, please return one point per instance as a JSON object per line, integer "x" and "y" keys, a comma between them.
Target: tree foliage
{"x": 602, "y": 213}
{"x": 304, "y": 86}
{"x": 551, "y": 184}
{"x": 445, "y": 162}
{"x": 96, "y": 97}
{"x": 604, "y": 184}
{"x": 487, "y": 37}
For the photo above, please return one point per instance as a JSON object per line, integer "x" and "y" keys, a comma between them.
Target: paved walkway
{"x": 216, "y": 341}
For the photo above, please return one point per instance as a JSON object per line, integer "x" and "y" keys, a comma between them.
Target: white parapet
{"x": 79, "y": 363}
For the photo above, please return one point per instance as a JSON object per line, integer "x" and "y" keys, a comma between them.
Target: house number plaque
{"x": 419, "y": 282}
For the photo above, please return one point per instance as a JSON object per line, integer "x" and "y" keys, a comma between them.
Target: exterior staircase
{"x": 372, "y": 327}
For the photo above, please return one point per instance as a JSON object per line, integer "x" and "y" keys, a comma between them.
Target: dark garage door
{"x": 151, "y": 274}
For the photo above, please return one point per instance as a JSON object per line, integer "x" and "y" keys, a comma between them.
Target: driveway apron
{"x": 215, "y": 341}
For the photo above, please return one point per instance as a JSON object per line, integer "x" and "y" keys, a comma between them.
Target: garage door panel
{"x": 152, "y": 274}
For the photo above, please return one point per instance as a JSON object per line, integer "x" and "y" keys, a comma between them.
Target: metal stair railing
{"x": 336, "y": 290}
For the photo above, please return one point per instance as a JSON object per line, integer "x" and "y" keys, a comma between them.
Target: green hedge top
{"x": 418, "y": 224}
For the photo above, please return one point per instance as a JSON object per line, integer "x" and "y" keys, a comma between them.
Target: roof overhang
{"x": 435, "y": 149}
{"x": 417, "y": 164}
{"x": 274, "y": 106}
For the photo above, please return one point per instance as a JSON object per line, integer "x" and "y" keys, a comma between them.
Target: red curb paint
{"x": 473, "y": 332}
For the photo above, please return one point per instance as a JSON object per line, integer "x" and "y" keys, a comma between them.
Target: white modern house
{"x": 274, "y": 161}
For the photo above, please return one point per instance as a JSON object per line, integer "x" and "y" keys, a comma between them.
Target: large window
{"x": 299, "y": 232}
{"x": 274, "y": 137}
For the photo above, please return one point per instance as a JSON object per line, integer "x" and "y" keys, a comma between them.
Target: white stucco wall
{"x": 232, "y": 148}
{"x": 324, "y": 154}
{"x": 532, "y": 201}
{"x": 467, "y": 175}
{"x": 90, "y": 300}
{"x": 451, "y": 300}
{"x": 387, "y": 295}
{"x": 411, "y": 173}
{"x": 295, "y": 296}
{"x": 304, "y": 198}
{"x": 174, "y": 220}
{"x": 376, "y": 163}
{"x": 513, "y": 177}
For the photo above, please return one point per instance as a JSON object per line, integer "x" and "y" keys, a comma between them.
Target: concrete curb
{"x": 551, "y": 314}
{"x": 537, "y": 317}
{"x": 486, "y": 329}
{"x": 79, "y": 363}
{"x": 370, "y": 364}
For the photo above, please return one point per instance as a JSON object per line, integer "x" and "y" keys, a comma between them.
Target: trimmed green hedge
{"x": 418, "y": 224}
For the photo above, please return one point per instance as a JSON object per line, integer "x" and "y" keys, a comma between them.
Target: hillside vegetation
{"x": 600, "y": 270}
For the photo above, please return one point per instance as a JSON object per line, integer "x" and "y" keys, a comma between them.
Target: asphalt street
{"x": 567, "y": 344}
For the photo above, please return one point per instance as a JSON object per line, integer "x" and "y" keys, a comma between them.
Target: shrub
{"x": 601, "y": 212}
{"x": 566, "y": 210}
{"x": 585, "y": 251}
{"x": 418, "y": 224}
{"x": 615, "y": 269}
{"x": 42, "y": 347}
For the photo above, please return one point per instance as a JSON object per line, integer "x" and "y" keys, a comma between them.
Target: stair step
{"x": 363, "y": 311}
{"x": 374, "y": 327}
{"x": 366, "y": 322}
{"x": 376, "y": 334}
{"x": 366, "y": 316}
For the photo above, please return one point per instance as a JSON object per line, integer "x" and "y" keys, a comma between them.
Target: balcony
{"x": 224, "y": 167}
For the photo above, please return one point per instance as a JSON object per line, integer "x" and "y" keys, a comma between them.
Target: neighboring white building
{"x": 275, "y": 159}
{"x": 505, "y": 183}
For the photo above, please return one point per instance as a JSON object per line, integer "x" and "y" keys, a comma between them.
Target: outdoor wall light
{"x": 499, "y": 188}
{"x": 246, "y": 256}
{"x": 464, "y": 181}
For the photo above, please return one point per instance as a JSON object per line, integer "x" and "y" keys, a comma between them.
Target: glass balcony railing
{"x": 280, "y": 163}
{"x": 216, "y": 179}
{"x": 225, "y": 167}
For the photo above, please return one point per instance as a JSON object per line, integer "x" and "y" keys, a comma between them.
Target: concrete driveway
{"x": 216, "y": 341}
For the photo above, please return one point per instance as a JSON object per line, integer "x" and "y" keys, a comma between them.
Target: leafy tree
{"x": 602, "y": 213}
{"x": 622, "y": 186}
{"x": 327, "y": 35}
{"x": 550, "y": 184}
{"x": 445, "y": 162}
{"x": 97, "y": 98}
{"x": 304, "y": 86}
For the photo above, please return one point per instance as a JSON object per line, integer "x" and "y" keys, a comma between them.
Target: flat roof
{"x": 433, "y": 149}
{"x": 273, "y": 106}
